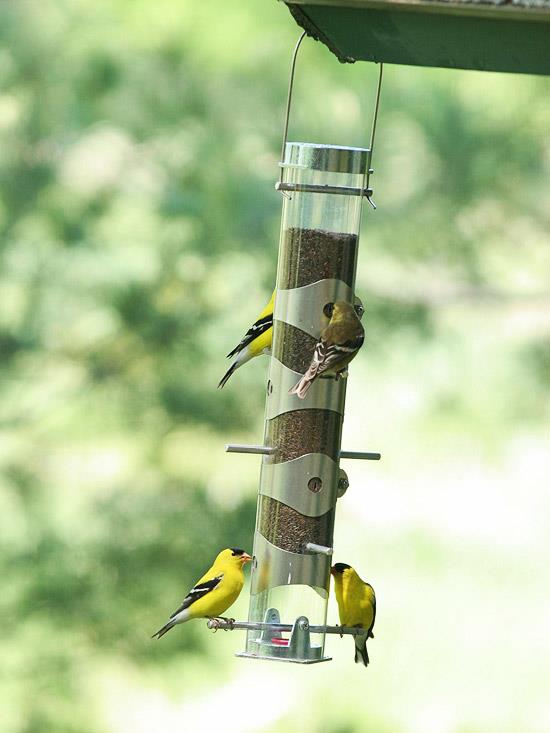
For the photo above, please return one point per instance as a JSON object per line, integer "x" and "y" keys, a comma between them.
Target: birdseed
{"x": 310, "y": 255}
{"x": 293, "y": 347}
{"x": 291, "y": 531}
{"x": 300, "y": 432}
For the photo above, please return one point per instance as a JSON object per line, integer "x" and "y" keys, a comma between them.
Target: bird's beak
{"x": 332, "y": 571}
{"x": 245, "y": 557}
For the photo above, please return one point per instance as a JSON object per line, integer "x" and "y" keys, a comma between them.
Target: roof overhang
{"x": 489, "y": 36}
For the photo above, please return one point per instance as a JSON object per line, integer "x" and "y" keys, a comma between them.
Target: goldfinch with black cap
{"x": 356, "y": 605}
{"x": 214, "y": 593}
{"x": 256, "y": 341}
{"x": 340, "y": 341}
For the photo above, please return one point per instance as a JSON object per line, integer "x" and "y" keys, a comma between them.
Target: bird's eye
{"x": 328, "y": 309}
{"x": 359, "y": 309}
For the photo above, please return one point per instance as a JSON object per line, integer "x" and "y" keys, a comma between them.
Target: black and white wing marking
{"x": 199, "y": 591}
{"x": 327, "y": 355}
{"x": 261, "y": 326}
{"x": 315, "y": 368}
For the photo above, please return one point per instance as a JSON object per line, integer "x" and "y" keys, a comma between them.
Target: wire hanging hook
{"x": 289, "y": 96}
{"x": 365, "y": 191}
{"x": 372, "y": 134}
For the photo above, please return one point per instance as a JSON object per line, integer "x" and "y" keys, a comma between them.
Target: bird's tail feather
{"x": 300, "y": 389}
{"x": 228, "y": 373}
{"x": 361, "y": 655}
{"x": 242, "y": 357}
{"x": 164, "y": 629}
{"x": 236, "y": 350}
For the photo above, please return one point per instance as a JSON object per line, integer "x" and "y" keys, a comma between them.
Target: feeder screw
{"x": 343, "y": 484}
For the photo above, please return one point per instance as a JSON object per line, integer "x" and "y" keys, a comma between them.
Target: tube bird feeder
{"x": 323, "y": 187}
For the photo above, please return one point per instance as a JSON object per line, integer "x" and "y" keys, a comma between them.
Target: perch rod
{"x": 267, "y": 450}
{"x": 229, "y": 624}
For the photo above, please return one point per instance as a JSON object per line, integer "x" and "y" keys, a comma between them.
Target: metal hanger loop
{"x": 289, "y": 96}
{"x": 370, "y": 169}
{"x": 366, "y": 191}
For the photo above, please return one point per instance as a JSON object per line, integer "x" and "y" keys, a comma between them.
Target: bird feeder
{"x": 299, "y": 480}
{"x": 323, "y": 187}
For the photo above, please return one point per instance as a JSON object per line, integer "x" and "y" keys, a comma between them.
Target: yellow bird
{"x": 339, "y": 343}
{"x": 356, "y": 605}
{"x": 218, "y": 589}
{"x": 256, "y": 341}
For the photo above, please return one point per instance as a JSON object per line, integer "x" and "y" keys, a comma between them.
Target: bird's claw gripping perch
{"x": 216, "y": 623}
{"x": 221, "y": 622}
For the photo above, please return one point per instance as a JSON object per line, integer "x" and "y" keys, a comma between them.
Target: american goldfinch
{"x": 256, "y": 341}
{"x": 218, "y": 589}
{"x": 339, "y": 343}
{"x": 356, "y": 605}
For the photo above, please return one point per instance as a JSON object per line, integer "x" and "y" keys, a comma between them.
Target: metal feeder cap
{"x": 332, "y": 158}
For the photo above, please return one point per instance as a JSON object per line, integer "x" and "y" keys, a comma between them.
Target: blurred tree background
{"x": 139, "y": 144}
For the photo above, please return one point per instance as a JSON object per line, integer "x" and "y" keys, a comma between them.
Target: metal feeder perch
{"x": 296, "y": 648}
{"x": 323, "y": 187}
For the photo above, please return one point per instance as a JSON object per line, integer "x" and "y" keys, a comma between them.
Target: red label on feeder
{"x": 280, "y": 642}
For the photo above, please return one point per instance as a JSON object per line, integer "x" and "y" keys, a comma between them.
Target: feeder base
{"x": 248, "y": 655}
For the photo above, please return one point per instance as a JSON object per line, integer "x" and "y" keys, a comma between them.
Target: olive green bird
{"x": 340, "y": 341}
{"x": 356, "y": 605}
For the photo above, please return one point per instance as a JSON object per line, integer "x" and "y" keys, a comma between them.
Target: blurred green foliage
{"x": 139, "y": 226}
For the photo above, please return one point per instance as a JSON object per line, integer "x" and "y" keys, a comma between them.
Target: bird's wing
{"x": 371, "y": 635}
{"x": 257, "y": 328}
{"x": 199, "y": 591}
{"x": 327, "y": 354}
{"x": 373, "y": 620}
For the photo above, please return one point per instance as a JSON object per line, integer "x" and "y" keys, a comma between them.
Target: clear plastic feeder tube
{"x": 298, "y": 483}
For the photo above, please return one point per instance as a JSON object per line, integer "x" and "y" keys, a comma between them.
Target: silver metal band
{"x": 303, "y": 307}
{"x": 293, "y": 483}
{"x": 279, "y": 567}
{"x": 324, "y": 394}
{"x": 328, "y": 158}
{"x": 319, "y": 188}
